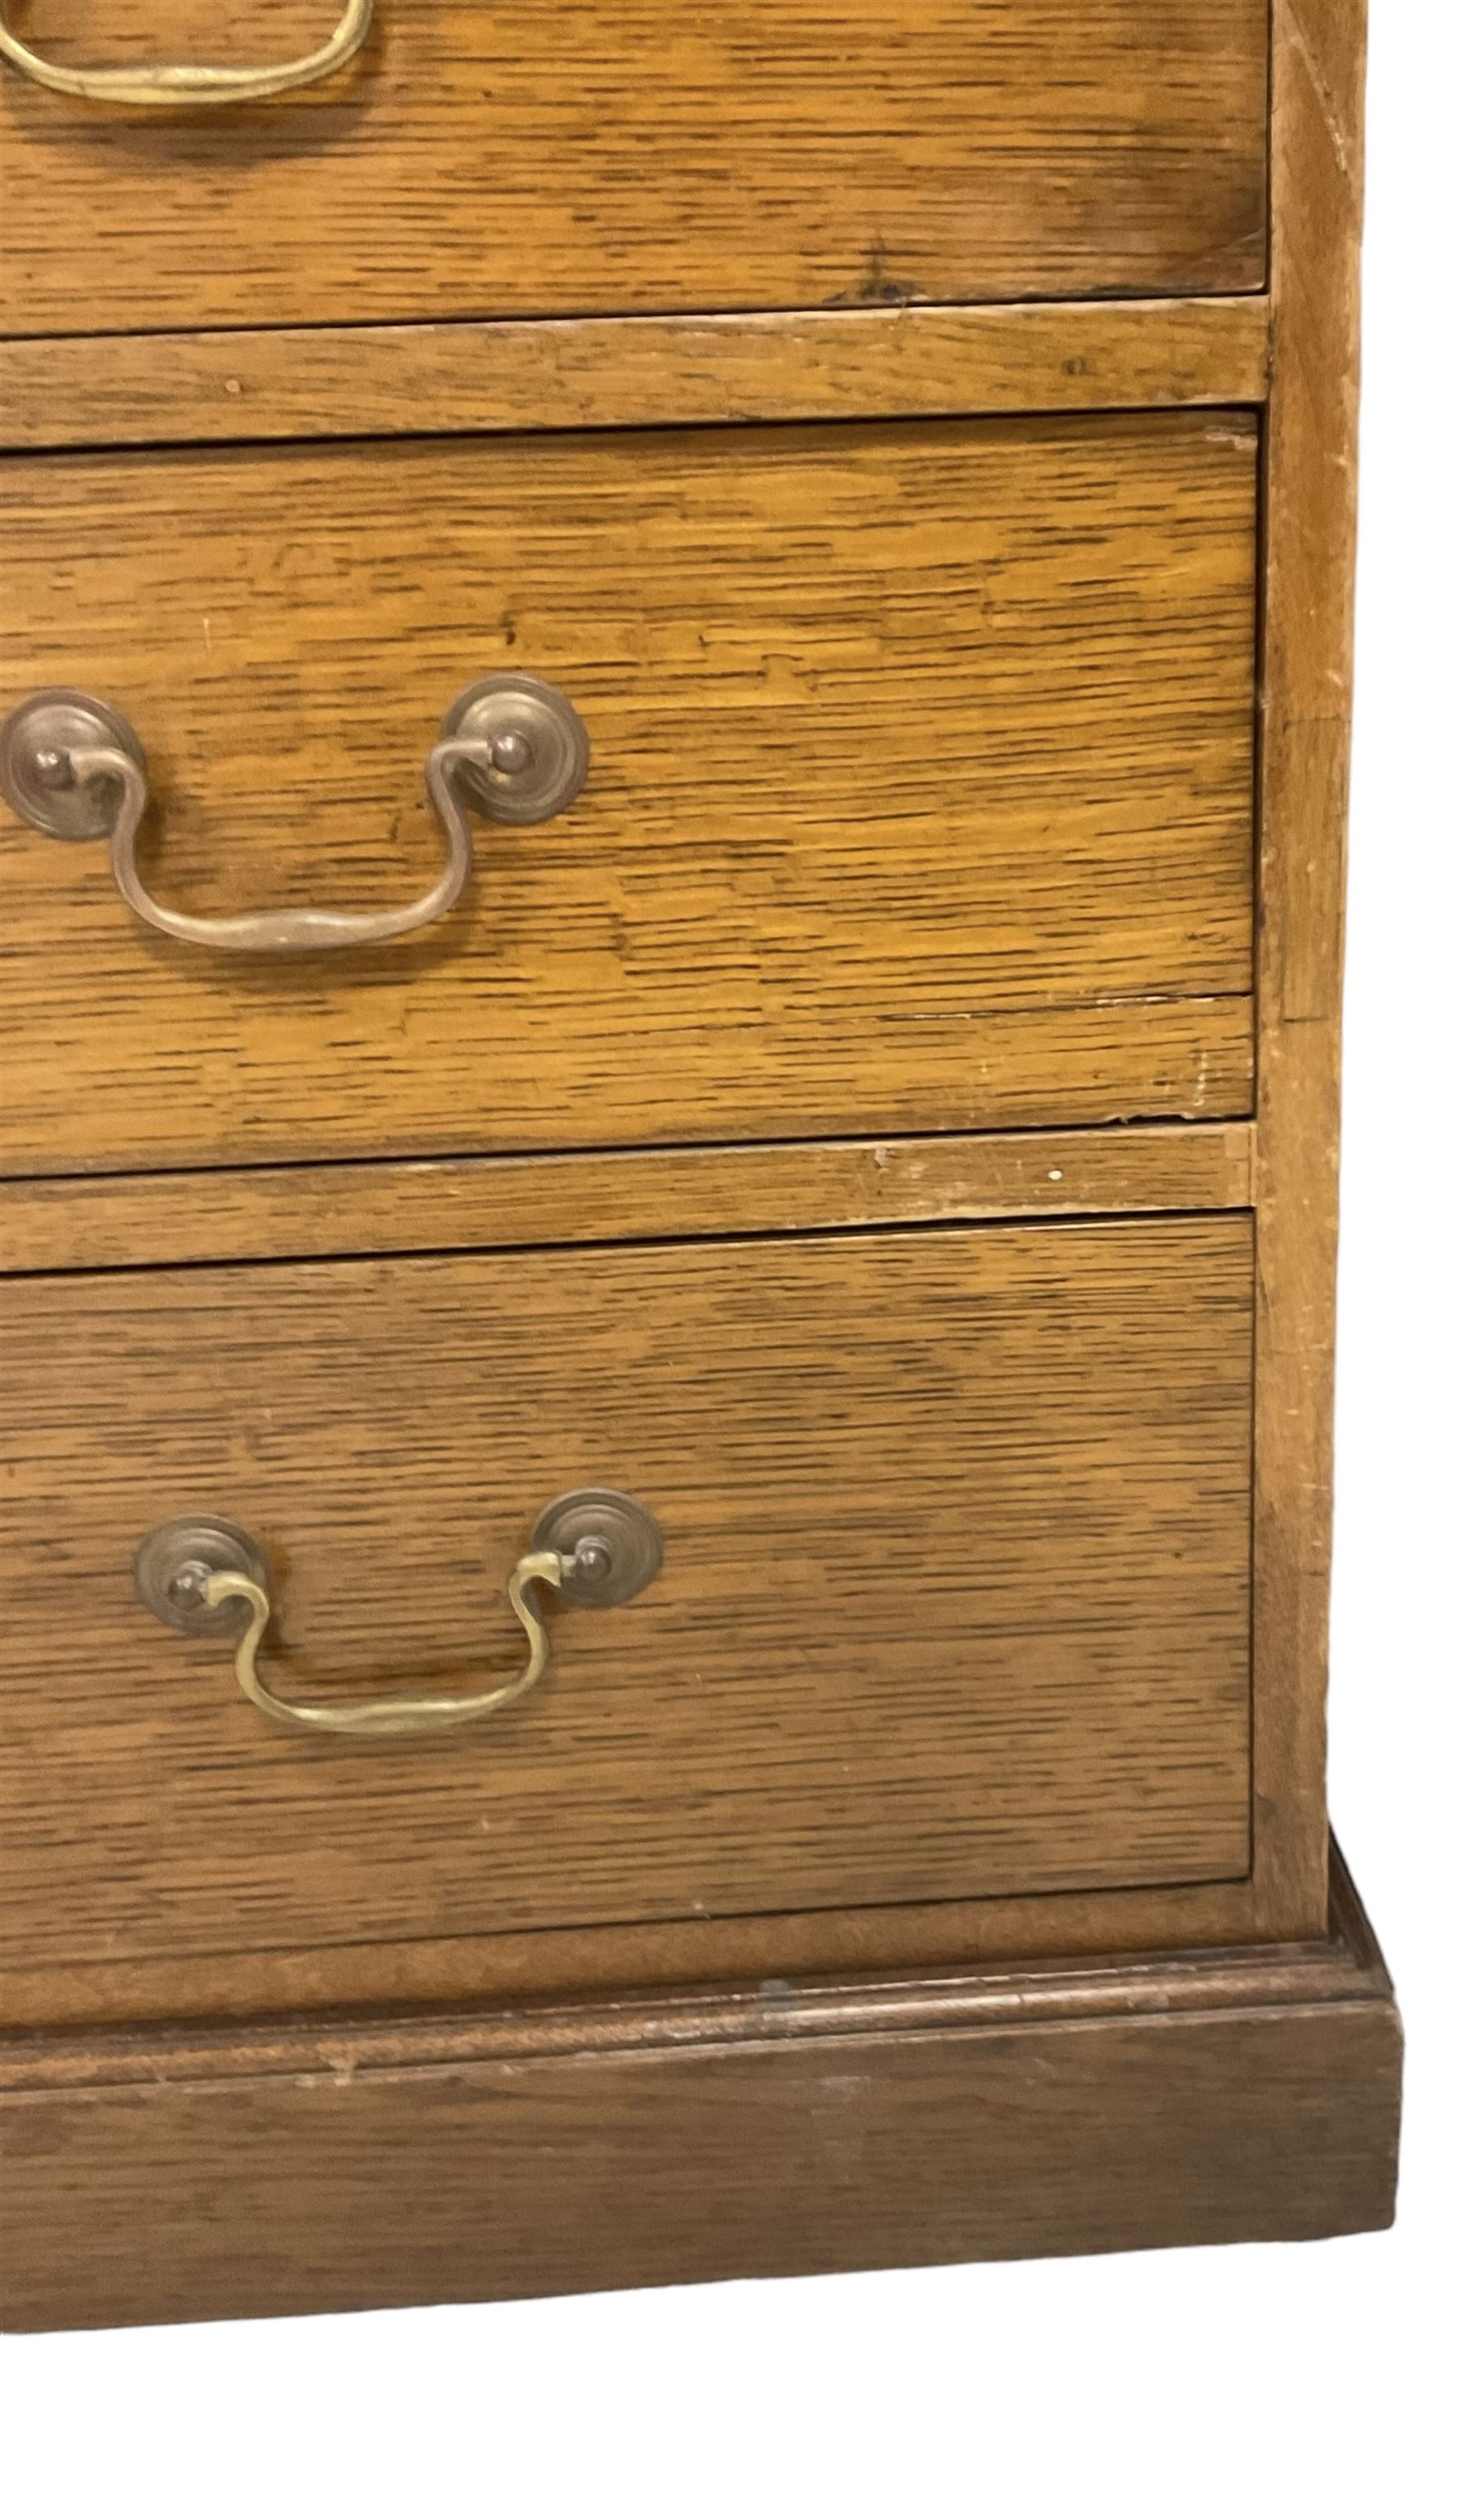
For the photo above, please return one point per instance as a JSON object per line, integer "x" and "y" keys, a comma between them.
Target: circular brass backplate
{"x": 540, "y": 736}
{"x": 35, "y": 781}
{"x": 615, "y": 1545}
{"x": 172, "y": 1564}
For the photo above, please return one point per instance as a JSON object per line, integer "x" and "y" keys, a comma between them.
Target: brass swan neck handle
{"x": 511, "y": 746}
{"x": 594, "y": 1548}
{"x": 181, "y": 84}
{"x": 387, "y": 1718}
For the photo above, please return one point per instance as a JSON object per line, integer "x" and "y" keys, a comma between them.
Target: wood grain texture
{"x": 775, "y": 2132}
{"x": 957, "y": 1598}
{"x": 921, "y": 794}
{"x": 922, "y": 808}
{"x": 630, "y": 371}
{"x": 320, "y": 1210}
{"x": 631, "y": 157}
{"x": 1320, "y": 79}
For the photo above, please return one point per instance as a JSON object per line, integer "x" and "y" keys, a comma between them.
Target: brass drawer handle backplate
{"x": 511, "y": 746}
{"x": 182, "y": 84}
{"x": 594, "y": 1548}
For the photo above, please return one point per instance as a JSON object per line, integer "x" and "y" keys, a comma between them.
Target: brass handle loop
{"x": 595, "y": 1549}
{"x": 388, "y": 1718}
{"x": 281, "y": 931}
{"x": 511, "y": 746}
{"x": 182, "y": 84}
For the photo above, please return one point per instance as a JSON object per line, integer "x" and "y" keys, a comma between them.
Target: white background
{"x": 1270, "y": 2380}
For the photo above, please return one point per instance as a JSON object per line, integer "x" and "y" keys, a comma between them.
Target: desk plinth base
{"x": 1051, "y": 2110}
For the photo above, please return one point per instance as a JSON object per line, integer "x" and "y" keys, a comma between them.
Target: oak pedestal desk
{"x": 675, "y": 696}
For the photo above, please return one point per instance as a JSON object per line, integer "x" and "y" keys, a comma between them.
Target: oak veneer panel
{"x": 632, "y": 157}
{"x": 921, "y": 796}
{"x": 630, "y": 370}
{"x": 955, "y": 1601}
{"x": 784, "y": 2129}
{"x": 321, "y": 1210}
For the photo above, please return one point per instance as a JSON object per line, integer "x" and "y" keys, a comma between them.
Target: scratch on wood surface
{"x": 1339, "y": 141}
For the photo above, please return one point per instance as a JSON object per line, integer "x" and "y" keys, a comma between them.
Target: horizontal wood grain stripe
{"x": 387, "y": 379}
{"x": 317, "y": 1210}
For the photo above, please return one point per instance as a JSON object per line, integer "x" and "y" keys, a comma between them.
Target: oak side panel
{"x": 921, "y": 794}
{"x": 1318, "y": 71}
{"x": 637, "y": 155}
{"x": 321, "y": 1210}
{"x": 630, "y": 371}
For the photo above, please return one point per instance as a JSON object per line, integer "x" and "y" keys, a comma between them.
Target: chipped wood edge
{"x": 1319, "y": 77}
{"x": 626, "y": 372}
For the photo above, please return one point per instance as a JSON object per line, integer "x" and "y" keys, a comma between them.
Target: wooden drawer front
{"x": 920, "y": 791}
{"x": 632, "y": 154}
{"x": 955, "y": 1600}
